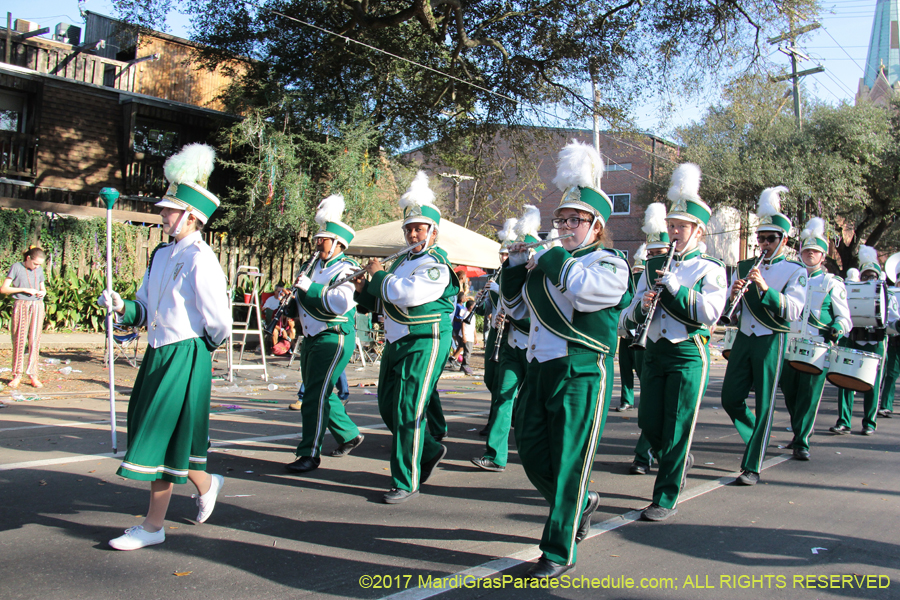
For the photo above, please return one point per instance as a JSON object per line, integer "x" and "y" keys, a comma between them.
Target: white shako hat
{"x": 188, "y": 174}
{"x": 328, "y": 216}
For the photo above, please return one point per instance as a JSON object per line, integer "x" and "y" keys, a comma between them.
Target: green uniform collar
{"x": 587, "y": 249}
{"x": 334, "y": 260}
{"x": 776, "y": 259}
{"x": 692, "y": 254}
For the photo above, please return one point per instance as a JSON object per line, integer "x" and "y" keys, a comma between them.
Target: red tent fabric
{"x": 470, "y": 271}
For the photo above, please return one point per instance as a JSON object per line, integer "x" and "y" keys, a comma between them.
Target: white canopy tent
{"x": 463, "y": 247}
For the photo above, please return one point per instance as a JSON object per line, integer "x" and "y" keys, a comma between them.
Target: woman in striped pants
{"x": 25, "y": 282}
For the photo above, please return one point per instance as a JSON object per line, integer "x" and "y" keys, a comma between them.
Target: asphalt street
{"x": 827, "y": 528}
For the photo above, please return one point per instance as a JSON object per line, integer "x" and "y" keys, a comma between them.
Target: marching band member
{"x": 690, "y": 298}
{"x": 490, "y": 310}
{"x": 573, "y": 295}
{"x": 827, "y": 318}
{"x": 417, "y": 293}
{"x": 892, "y": 360}
{"x": 774, "y": 298}
{"x": 657, "y": 243}
{"x": 627, "y": 355}
{"x": 328, "y": 316}
{"x": 866, "y": 339}
{"x": 183, "y": 301}
{"x": 512, "y": 361}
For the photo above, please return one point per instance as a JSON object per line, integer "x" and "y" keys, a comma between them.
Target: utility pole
{"x": 596, "y": 96}
{"x": 791, "y": 37}
{"x": 456, "y": 177}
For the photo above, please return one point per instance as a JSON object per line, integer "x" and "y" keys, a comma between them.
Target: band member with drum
{"x": 774, "y": 297}
{"x": 825, "y": 318}
{"x": 489, "y": 308}
{"x": 573, "y": 295}
{"x": 866, "y": 339}
{"x": 657, "y": 243}
{"x": 328, "y": 316}
{"x": 513, "y": 361}
{"x": 417, "y": 292}
{"x": 892, "y": 355}
{"x": 686, "y": 299}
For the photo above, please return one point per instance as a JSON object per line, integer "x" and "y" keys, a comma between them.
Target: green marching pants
{"x": 870, "y": 399}
{"x": 678, "y": 374}
{"x": 642, "y": 451}
{"x": 755, "y": 362}
{"x": 323, "y": 357}
{"x": 410, "y": 369}
{"x": 559, "y": 421}
{"x": 434, "y": 415}
{"x": 627, "y": 368}
{"x": 891, "y": 372}
{"x": 511, "y": 376}
{"x": 490, "y": 367}
{"x": 802, "y": 396}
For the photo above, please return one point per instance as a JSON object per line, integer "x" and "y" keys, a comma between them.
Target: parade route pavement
{"x": 810, "y": 530}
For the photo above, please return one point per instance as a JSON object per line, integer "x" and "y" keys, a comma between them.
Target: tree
{"x": 506, "y": 59}
{"x": 842, "y": 166}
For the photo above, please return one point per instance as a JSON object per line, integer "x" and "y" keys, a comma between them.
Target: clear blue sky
{"x": 840, "y": 46}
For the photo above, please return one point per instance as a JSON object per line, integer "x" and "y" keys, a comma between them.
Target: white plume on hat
{"x": 578, "y": 165}
{"x": 867, "y": 255}
{"x": 852, "y": 274}
{"x": 192, "y": 164}
{"x": 507, "y": 232}
{"x": 418, "y": 193}
{"x": 330, "y": 210}
{"x": 685, "y": 183}
{"x": 815, "y": 227}
{"x": 641, "y": 253}
{"x": 702, "y": 247}
{"x": 530, "y": 223}
{"x": 655, "y": 218}
{"x": 770, "y": 201}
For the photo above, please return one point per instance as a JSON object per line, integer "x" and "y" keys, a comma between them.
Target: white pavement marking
{"x": 215, "y": 444}
{"x": 497, "y": 566}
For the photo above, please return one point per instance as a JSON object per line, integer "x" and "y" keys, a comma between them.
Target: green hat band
{"x": 778, "y": 220}
{"x": 814, "y": 243}
{"x": 690, "y": 210}
{"x": 870, "y": 267}
{"x": 587, "y": 199}
{"x": 530, "y": 239}
{"x": 429, "y": 212}
{"x": 658, "y": 238}
{"x": 340, "y": 230}
{"x": 193, "y": 196}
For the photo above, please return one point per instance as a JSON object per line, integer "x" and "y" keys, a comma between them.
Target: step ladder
{"x": 242, "y": 329}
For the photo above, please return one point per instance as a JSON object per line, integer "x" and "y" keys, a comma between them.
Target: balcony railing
{"x": 18, "y": 154}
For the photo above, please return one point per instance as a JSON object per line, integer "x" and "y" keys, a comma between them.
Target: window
{"x": 12, "y": 112}
{"x": 611, "y": 166}
{"x": 621, "y": 203}
{"x": 155, "y": 138}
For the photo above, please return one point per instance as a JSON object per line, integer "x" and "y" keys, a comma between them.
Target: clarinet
{"x": 304, "y": 271}
{"x": 481, "y": 294}
{"x": 501, "y": 325}
{"x": 728, "y": 317}
{"x": 643, "y": 329}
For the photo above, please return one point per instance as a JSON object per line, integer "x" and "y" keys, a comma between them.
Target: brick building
{"x": 79, "y": 116}
{"x": 632, "y": 161}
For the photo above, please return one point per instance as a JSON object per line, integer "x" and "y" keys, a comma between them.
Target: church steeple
{"x": 884, "y": 44}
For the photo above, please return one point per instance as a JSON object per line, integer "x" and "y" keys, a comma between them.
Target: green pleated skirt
{"x": 168, "y": 413}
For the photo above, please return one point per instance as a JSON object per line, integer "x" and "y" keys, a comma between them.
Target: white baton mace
{"x": 109, "y": 196}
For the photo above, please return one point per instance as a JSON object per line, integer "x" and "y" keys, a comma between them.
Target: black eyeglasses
{"x": 570, "y": 223}
{"x": 768, "y": 238}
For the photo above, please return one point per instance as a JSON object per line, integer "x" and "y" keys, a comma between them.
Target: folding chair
{"x": 125, "y": 340}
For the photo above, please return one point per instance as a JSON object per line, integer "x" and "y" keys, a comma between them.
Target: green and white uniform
{"x": 629, "y": 359}
{"x": 329, "y": 327}
{"x": 891, "y": 366}
{"x": 183, "y": 302}
{"x": 867, "y": 340}
{"x": 418, "y": 296}
{"x": 510, "y": 377}
{"x": 758, "y": 353}
{"x": 676, "y": 360}
{"x": 573, "y": 301}
{"x": 826, "y": 309}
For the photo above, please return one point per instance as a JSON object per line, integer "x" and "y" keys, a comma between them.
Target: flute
{"x": 640, "y": 334}
{"x": 359, "y": 272}
{"x": 540, "y": 243}
{"x": 728, "y": 317}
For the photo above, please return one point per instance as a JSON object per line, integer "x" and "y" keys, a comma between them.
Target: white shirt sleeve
{"x": 211, "y": 292}
{"x": 594, "y": 285}
{"x": 426, "y": 283}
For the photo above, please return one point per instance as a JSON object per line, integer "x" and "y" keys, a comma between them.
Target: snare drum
{"x": 730, "y": 336}
{"x": 868, "y": 303}
{"x": 807, "y": 355}
{"x": 853, "y": 369}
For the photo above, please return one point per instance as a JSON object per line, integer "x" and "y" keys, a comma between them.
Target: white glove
{"x": 670, "y": 280}
{"x": 111, "y": 302}
{"x": 303, "y": 282}
{"x": 493, "y": 286}
{"x": 519, "y": 258}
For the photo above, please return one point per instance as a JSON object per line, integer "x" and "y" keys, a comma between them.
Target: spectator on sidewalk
{"x": 25, "y": 282}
